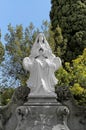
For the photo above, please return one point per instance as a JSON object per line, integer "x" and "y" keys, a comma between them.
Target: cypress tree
{"x": 70, "y": 16}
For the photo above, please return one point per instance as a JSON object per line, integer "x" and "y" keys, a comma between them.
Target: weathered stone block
{"x": 46, "y": 114}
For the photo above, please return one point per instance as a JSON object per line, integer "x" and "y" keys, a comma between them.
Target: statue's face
{"x": 41, "y": 46}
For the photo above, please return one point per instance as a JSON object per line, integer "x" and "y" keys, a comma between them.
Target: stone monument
{"x": 42, "y": 111}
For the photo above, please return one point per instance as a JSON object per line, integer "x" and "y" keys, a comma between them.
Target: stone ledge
{"x": 42, "y": 101}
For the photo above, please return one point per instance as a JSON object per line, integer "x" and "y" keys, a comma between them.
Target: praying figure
{"x": 41, "y": 64}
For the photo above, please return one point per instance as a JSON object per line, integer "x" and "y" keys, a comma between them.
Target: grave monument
{"x": 42, "y": 111}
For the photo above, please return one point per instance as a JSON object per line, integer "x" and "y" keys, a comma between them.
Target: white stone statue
{"x": 41, "y": 64}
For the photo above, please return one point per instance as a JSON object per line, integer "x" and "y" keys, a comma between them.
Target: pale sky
{"x": 23, "y": 12}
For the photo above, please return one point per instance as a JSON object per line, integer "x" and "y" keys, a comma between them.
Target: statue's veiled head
{"x": 41, "y": 46}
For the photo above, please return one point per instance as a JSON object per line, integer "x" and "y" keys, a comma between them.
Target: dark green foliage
{"x": 1, "y": 50}
{"x": 70, "y": 16}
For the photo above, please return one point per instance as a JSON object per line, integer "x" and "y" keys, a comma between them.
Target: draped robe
{"x": 42, "y": 79}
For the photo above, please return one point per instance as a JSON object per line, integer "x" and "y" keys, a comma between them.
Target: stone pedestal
{"x": 42, "y": 113}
